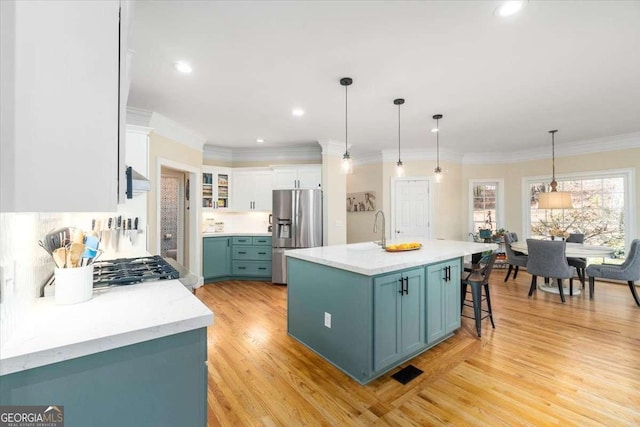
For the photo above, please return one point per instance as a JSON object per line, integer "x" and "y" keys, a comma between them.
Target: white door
{"x": 410, "y": 208}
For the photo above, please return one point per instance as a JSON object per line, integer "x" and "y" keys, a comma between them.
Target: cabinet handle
{"x": 262, "y": 253}
{"x": 262, "y": 268}
{"x": 401, "y": 287}
{"x": 406, "y": 289}
{"x": 242, "y": 253}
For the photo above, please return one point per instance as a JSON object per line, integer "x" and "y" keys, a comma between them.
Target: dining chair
{"x": 580, "y": 264}
{"x": 547, "y": 259}
{"x": 478, "y": 280}
{"x": 629, "y": 271}
{"x": 514, "y": 258}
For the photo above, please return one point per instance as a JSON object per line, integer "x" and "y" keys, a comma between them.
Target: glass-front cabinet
{"x": 216, "y": 188}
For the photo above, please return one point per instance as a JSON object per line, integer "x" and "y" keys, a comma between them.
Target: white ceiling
{"x": 501, "y": 84}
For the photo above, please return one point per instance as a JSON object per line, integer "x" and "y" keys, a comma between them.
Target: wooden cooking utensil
{"x": 75, "y": 254}
{"x": 60, "y": 257}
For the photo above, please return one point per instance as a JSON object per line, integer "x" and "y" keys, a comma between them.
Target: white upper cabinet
{"x": 62, "y": 106}
{"x": 252, "y": 190}
{"x": 216, "y": 188}
{"x": 297, "y": 176}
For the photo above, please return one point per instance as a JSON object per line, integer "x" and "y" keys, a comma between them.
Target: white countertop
{"x": 229, "y": 233}
{"x": 370, "y": 259}
{"x": 115, "y": 317}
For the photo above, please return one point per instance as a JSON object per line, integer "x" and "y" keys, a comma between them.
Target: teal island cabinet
{"x": 130, "y": 356}
{"x": 366, "y": 310}
{"x": 236, "y": 257}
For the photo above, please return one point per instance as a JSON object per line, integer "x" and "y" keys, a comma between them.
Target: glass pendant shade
{"x": 438, "y": 174}
{"x": 347, "y": 165}
{"x": 399, "y": 169}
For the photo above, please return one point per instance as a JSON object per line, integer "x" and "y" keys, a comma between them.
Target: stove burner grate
{"x": 128, "y": 271}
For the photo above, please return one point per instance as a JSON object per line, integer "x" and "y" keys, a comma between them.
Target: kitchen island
{"x": 366, "y": 310}
{"x": 132, "y": 355}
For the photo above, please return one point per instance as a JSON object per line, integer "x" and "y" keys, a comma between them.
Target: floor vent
{"x": 405, "y": 375}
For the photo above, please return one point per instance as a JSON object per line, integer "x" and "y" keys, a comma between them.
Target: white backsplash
{"x": 238, "y": 222}
{"x": 26, "y": 267}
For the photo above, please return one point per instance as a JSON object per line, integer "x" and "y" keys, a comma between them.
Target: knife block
{"x": 73, "y": 285}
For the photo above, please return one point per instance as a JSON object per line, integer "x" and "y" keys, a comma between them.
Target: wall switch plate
{"x": 327, "y": 319}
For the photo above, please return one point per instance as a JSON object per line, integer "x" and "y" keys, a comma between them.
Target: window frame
{"x": 629, "y": 182}
{"x": 499, "y": 220}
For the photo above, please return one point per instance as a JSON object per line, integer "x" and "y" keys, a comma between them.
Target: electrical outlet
{"x": 327, "y": 319}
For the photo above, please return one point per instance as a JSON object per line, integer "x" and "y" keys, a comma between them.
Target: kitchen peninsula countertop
{"x": 115, "y": 317}
{"x": 370, "y": 259}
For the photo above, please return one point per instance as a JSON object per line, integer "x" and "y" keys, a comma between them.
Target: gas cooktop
{"x": 128, "y": 271}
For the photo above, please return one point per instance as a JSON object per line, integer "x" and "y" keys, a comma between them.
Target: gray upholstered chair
{"x": 514, "y": 258}
{"x": 579, "y": 263}
{"x": 547, "y": 259}
{"x": 629, "y": 270}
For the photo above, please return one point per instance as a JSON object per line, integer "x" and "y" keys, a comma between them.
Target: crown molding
{"x": 332, "y": 147}
{"x": 576, "y": 148}
{"x": 166, "y": 127}
{"x": 391, "y": 155}
{"x": 143, "y": 130}
{"x": 307, "y": 152}
{"x": 138, "y": 117}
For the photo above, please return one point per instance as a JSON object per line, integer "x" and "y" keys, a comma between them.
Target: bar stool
{"x": 478, "y": 279}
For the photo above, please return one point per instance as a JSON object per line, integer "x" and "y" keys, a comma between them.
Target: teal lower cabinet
{"x": 368, "y": 325}
{"x": 251, "y": 257}
{"x": 236, "y": 257}
{"x": 216, "y": 257}
{"x": 443, "y": 300}
{"x": 399, "y": 316}
{"x": 161, "y": 382}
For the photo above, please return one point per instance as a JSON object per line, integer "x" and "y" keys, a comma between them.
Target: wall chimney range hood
{"x": 136, "y": 183}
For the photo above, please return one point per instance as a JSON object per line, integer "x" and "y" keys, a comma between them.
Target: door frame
{"x": 393, "y": 182}
{"x": 193, "y": 217}
{"x": 180, "y": 238}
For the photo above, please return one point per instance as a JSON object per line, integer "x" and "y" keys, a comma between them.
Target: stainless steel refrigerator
{"x": 297, "y": 223}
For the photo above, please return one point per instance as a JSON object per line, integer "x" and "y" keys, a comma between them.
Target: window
{"x": 486, "y": 204}
{"x": 601, "y": 210}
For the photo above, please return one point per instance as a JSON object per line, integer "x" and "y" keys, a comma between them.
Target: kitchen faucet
{"x": 383, "y": 242}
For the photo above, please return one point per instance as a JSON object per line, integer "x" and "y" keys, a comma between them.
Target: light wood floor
{"x": 545, "y": 364}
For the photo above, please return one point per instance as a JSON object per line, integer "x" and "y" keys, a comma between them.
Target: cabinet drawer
{"x": 256, "y": 253}
{"x": 251, "y": 268}
{"x": 242, "y": 240}
{"x": 261, "y": 241}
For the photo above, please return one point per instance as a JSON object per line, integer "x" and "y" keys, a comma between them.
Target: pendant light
{"x": 347, "y": 165}
{"x": 438, "y": 171}
{"x": 400, "y": 166}
{"x": 554, "y": 199}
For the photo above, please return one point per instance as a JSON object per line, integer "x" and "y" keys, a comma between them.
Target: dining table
{"x": 572, "y": 250}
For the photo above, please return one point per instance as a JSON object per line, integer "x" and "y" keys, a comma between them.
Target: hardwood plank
{"x": 545, "y": 363}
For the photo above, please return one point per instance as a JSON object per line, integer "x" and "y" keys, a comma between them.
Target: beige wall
{"x": 165, "y": 148}
{"x": 446, "y": 222}
{"x": 334, "y": 198}
{"x": 451, "y": 197}
{"x": 514, "y": 173}
{"x": 360, "y": 224}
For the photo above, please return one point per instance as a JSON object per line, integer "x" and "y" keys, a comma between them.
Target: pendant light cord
{"x": 553, "y": 156}
{"x": 438, "y": 142}
{"x": 346, "y": 120}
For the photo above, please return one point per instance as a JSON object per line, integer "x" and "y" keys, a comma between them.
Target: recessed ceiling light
{"x": 297, "y": 112}
{"x": 434, "y": 130}
{"x": 183, "y": 67}
{"x": 509, "y": 8}
{"x": 259, "y": 140}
